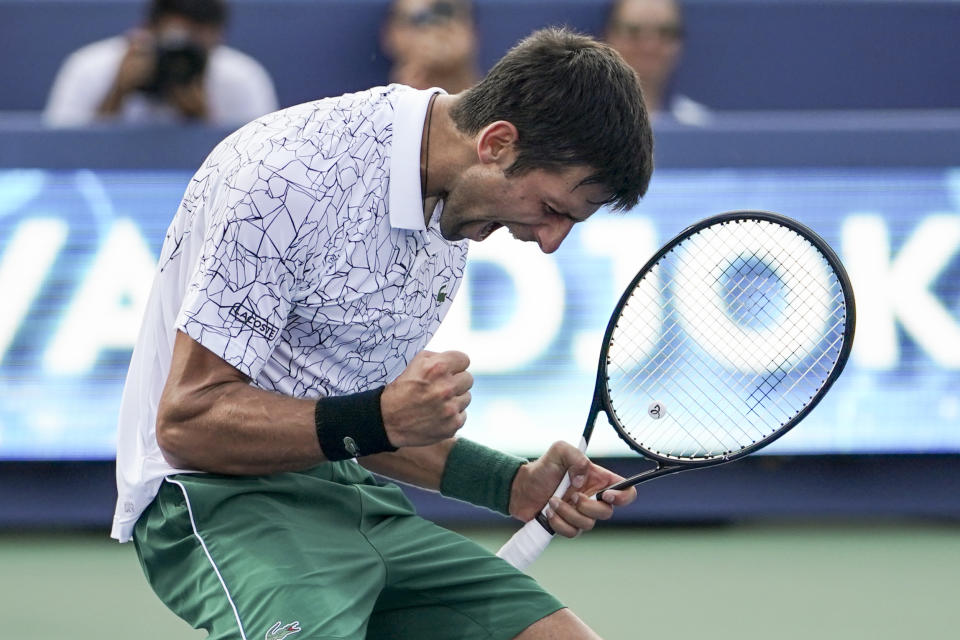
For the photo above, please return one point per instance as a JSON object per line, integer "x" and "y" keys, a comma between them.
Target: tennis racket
{"x": 726, "y": 339}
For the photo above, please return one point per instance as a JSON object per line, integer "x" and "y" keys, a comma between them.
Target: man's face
{"x": 647, "y": 33}
{"x": 538, "y": 206}
{"x": 434, "y": 33}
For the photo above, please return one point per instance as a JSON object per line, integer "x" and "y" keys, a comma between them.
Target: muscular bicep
{"x": 196, "y": 382}
{"x": 194, "y": 371}
{"x": 212, "y": 419}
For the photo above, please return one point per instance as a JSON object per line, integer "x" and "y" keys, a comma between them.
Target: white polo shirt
{"x": 299, "y": 255}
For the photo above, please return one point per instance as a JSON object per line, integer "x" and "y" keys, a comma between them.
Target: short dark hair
{"x": 574, "y": 101}
{"x": 208, "y": 12}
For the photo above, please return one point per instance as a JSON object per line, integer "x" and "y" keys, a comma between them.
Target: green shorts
{"x": 326, "y": 553}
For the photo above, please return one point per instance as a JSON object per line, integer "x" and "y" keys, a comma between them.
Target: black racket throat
{"x": 650, "y": 474}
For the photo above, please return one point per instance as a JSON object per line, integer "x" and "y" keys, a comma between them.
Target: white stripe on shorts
{"x": 213, "y": 564}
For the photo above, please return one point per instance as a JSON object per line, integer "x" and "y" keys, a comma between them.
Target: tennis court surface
{"x": 769, "y": 581}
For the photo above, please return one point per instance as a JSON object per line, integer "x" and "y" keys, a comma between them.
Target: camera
{"x": 179, "y": 61}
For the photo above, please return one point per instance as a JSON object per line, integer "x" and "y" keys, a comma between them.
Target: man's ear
{"x": 496, "y": 143}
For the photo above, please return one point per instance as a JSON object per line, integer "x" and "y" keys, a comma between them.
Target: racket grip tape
{"x": 532, "y": 539}
{"x": 526, "y": 545}
{"x": 529, "y": 542}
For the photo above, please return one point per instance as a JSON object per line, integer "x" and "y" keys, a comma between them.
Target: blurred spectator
{"x": 173, "y": 69}
{"x": 432, "y": 43}
{"x": 649, "y": 35}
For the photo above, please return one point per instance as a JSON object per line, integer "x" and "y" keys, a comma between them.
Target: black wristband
{"x": 351, "y": 426}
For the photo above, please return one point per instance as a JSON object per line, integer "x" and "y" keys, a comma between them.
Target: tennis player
{"x": 314, "y": 254}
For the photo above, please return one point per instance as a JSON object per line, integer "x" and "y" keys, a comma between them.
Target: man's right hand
{"x": 138, "y": 62}
{"x": 135, "y": 70}
{"x": 427, "y": 402}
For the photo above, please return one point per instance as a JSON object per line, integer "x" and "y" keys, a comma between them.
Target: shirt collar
{"x": 405, "y": 199}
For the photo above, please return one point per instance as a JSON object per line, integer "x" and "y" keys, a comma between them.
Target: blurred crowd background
{"x": 728, "y": 54}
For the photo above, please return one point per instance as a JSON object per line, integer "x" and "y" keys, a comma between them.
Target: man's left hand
{"x": 578, "y": 510}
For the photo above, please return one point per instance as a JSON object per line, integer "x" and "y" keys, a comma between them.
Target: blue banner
{"x": 78, "y": 248}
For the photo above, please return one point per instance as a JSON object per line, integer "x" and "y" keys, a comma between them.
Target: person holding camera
{"x": 173, "y": 69}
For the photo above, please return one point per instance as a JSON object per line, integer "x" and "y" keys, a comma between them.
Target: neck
{"x": 429, "y": 203}
{"x": 446, "y": 154}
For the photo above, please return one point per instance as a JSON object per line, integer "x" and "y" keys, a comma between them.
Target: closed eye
{"x": 553, "y": 212}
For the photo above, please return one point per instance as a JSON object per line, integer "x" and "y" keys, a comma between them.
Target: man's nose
{"x": 551, "y": 235}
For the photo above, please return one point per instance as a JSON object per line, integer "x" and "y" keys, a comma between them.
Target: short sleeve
{"x": 238, "y": 300}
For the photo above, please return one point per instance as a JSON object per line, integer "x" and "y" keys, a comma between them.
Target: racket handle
{"x": 526, "y": 545}
{"x": 532, "y": 539}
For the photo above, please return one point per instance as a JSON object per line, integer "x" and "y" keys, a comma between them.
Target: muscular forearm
{"x": 211, "y": 419}
{"x": 234, "y": 428}
{"x": 419, "y": 466}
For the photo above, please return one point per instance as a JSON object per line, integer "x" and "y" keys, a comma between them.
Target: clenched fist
{"x": 427, "y": 402}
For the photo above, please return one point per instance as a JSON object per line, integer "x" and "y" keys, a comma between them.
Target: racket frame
{"x": 601, "y": 395}
{"x": 531, "y": 539}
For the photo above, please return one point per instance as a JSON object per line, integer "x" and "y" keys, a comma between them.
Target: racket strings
{"x": 668, "y": 372}
{"x": 780, "y": 376}
{"x": 719, "y": 418}
{"x": 679, "y": 392}
{"x": 728, "y": 302}
{"x": 792, "y": 320}
{"x": 730, "y": 334}
{"x": 663, "y": 362}
{"x": 715, "y": 413}
{"x": 780, "y": 355}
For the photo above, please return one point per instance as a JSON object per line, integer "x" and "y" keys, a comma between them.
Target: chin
{"x": 449, "y": 234}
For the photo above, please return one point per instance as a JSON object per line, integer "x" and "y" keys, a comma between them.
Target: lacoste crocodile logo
{"x": 279, "y": 631}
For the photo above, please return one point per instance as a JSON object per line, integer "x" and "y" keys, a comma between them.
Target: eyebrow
{"x": 563, "y": 212}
